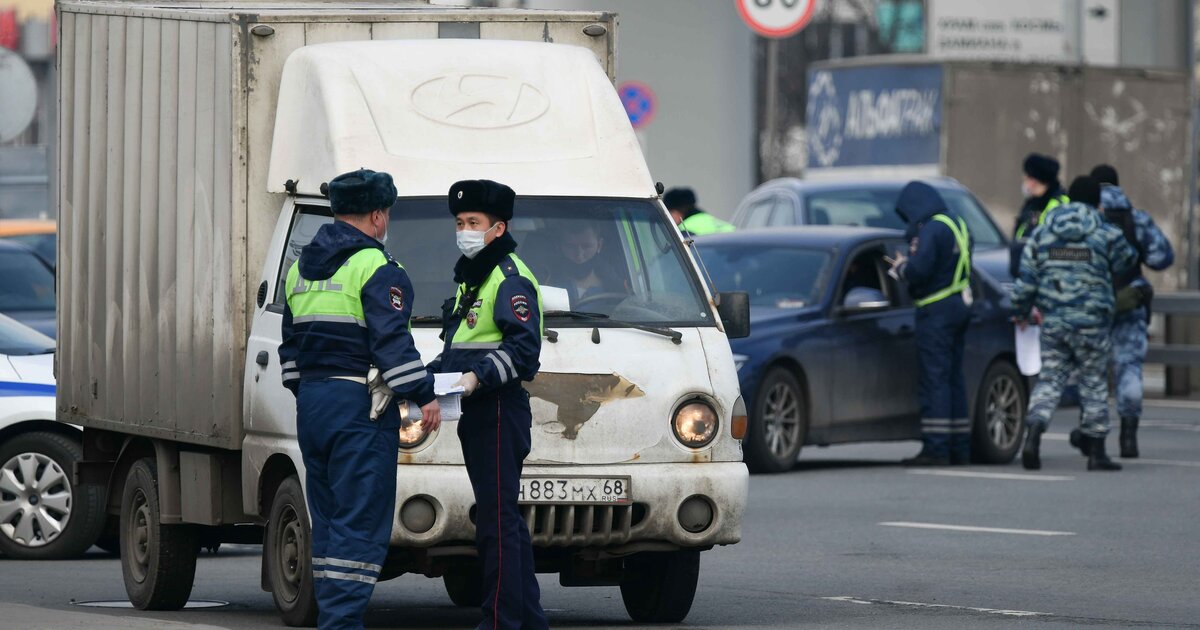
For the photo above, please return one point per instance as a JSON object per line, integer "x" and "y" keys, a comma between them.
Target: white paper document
{"x": 1029, "y": 349}
{"x": 449, "y": 398}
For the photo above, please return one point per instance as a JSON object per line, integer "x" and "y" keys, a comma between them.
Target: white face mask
{"x": 1025, "y": 192}
{"x": 383, "y": 239}
{"x": 471, "y": 242}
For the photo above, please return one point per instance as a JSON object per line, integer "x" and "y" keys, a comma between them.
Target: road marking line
{"x": 1162, "y": 462}
{"x": 1171, "y": 425}
{"x": 990, "y": 611}
{"x": 970, "y": 528}
{"x": 990, "y": 475}
{"x": 1060, "y": 437}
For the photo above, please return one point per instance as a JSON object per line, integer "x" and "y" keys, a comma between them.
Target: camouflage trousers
{"x": 1129, "y": 340}
{"x": 1066, "y": 351}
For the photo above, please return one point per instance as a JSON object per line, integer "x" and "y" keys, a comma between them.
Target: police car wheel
{"x": 45, "y": 515}
{"x": 464, "y": 586}
{"x": 1000, "y": 408}
{"x": 778, "y": 423}
{"x": 658, "y": 587}
{"x": 158, "y": 562}
{"x": 288, "y": 556}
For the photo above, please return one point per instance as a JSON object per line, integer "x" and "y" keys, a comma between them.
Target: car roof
{"x": 814, "y": 236}
{"x": 13, "y": 246}
{"x": 809, "y": 185}
{"x": 23, "y": 227}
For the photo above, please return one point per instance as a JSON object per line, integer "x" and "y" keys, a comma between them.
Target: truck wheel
{"x": 778, "y": 424}
{"x": 1000, "y": 410}
{"x": 158, "y": 561}
{"x": 43, "y": 514}
{"x": 465, "y": 586}
{"x": 658, "y": 587}
{"x": 289, "y": 556}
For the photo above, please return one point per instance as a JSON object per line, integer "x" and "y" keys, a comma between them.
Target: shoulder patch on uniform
{"x": 396, "y": 295}
{"x": 520, "y": 308}
{"x": 1072, "y": 254}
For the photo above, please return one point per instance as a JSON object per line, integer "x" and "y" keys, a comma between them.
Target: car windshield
{"x": 17, "y": 339}
{"x": 617, "y": 258}
{"x": 26, "y": 284}
{"x": 774, "y": 276}
{"x": 876, "y": 207}
{"x": 44, "y": 245}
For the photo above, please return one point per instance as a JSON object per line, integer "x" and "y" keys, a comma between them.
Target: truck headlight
{"x": 695, "y": 424}
{"x": 412, "y": 433}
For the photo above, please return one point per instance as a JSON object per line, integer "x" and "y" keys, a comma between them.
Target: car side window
{"x": 867, "y": 270}
{"x": 758, "y": 214}
{"x": 783, "y": 212}
{"x": 305, "y": 224}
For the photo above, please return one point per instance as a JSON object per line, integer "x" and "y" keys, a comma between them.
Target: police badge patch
{"x": 397, "y": 297}
{"x": 472, "y": 319}
{"x": 520, "y": 308}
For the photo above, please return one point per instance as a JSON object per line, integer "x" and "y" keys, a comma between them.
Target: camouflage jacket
{"x": 1067, "y": 269}
{"x": 1153, "y": 247}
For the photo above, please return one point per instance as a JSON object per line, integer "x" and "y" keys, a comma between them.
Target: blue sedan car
{"x": 832, "y": 357}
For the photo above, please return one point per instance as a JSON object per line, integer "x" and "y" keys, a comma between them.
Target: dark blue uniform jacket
{"x": 933, "y": 254}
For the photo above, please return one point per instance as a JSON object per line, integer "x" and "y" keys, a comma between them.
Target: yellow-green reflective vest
{"x": 1060, "y": 200}
{"x": 703, "y": 223}
{"x": 337, "y": 299}
{"x": 962, "y": 271}
{"x": 484, "y": 334}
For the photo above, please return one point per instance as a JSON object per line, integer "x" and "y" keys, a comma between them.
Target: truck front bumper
{"x": 438, "y": 499}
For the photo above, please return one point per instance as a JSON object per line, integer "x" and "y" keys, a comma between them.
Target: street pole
{"x": 1193, "y": 271}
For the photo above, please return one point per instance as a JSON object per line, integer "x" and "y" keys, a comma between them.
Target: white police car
{"x": 42, "y": 513}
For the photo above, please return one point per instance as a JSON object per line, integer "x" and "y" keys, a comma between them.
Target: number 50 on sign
{"x": 776, "y": 18}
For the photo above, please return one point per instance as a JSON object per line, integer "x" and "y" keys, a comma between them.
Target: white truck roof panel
{"x": 542, "y": 118}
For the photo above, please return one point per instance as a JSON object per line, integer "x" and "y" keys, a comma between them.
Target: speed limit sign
{"x": 776, "y": 18}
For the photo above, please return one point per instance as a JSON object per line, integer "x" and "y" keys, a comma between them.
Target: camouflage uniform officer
{"x": 1066, "y": 274}
{"x": 1133, "y": 294}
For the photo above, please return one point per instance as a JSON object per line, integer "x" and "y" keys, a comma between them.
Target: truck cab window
{"x": 304, "y": 227}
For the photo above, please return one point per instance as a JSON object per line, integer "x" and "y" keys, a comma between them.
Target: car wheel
{"x": 778, "y": 424}
{"x": 999, "y": 415}
{"x": 289, "y": 556}
{"x": 43, "y": 514}
{"x": 158, "y": 562}
{"x": 659, "y": 587}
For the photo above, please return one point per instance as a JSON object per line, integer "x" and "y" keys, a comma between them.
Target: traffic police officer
{"x": 938, "y": 272}
{"x": 1065, "y": 281}
{"x": 1133, "y": 295}
{"x": 1043, "y": 193}
{"x": 348, "y": 308}
{"x": 492, "y": 330}
{"x": 681, "y": 202}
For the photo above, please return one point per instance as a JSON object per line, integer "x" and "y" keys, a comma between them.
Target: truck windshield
{"x": 619, "y": 259}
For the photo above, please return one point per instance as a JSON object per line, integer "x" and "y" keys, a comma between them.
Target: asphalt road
{"x": 848, "y": 539}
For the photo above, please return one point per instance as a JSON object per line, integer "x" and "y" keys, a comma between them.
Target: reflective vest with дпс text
{"x": 962, "y": 269}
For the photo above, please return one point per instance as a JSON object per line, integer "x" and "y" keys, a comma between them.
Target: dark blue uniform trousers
{"x": 494, "y": 432}
{"x": 945, "y": 423}
{"x": 350, "y": 463}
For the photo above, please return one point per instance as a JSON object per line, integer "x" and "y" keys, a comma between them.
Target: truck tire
{"x": 658, "y": 587}
{"x": 778, "y": 423}
{"x": 1000, "y": 408}
{"x": 288, "y": 556}
{"x": 158, "y": 561}
{"x": 46, "y": 515}
{"x": 465, "y": 586}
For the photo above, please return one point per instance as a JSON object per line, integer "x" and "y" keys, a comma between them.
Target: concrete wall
{"x": 698, "y": 57}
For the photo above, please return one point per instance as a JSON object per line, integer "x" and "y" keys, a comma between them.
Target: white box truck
{"x": 195, "y": 142}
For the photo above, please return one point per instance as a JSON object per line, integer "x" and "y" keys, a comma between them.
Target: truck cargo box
{"x": 167, "y": 118}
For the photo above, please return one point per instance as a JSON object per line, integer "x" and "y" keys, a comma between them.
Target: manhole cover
{"x": 121, "y": 603}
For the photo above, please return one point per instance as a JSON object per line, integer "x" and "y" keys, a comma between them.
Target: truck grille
{"x": 571, "y": 525}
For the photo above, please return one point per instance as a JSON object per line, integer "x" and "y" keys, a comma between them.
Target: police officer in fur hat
{"x": 347, "y": 314}
{"x": 1043, "y": 193}
{"x": 493, "y": 334}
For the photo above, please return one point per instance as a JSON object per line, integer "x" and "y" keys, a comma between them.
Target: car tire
{"x": 465, "y": 586}
{"x": 158, "y": 562}
{"x": 1000, "y": 408}
{"x": 288, "y": 556}
{"x": 52, "y": 502}
{"x": 659, "y": 587}
{"x": 778, "y": 423}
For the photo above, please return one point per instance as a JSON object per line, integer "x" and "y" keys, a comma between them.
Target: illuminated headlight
{"x": 412, "y": 433}
{"x": 695, "y": 424}
{"x": 739, "y": 360}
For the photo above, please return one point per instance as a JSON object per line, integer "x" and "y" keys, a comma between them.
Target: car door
{"x": 875, "y": 359}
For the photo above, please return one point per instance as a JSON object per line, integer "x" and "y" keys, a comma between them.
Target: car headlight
{"x": 695, "y": 424}
{"x": 412, "y": 434}
{"x": 739, "y": 360}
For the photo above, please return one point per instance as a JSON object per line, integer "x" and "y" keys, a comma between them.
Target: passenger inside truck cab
{"x": 584, "y": 264}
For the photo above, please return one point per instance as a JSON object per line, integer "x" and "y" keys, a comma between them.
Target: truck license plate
{"x": 575, "y": 490}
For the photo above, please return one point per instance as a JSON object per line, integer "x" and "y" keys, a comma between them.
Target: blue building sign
{"x": 881, "y": 116}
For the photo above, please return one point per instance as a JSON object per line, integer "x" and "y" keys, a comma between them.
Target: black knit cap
{"x": 361, "y": 191}
{"x": 679, "y": 198}
{"x": 1086, "y": 190}
{"x": 482, "y": 195}
{"x": 1105, "y": 174}
{"x": 1042, "y": 168}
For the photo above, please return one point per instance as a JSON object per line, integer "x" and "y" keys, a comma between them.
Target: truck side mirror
{"x": 734, "y": 309}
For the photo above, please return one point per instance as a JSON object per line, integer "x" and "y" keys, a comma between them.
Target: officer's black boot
{"x": 1031, "y": 455}
{"x": 1129, "y": 449}
{"x": 1097, "y": 458}
{"x": 1080, "y": 441}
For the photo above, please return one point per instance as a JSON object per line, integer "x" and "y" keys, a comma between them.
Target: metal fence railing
{"x": 1180, "y": 349}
